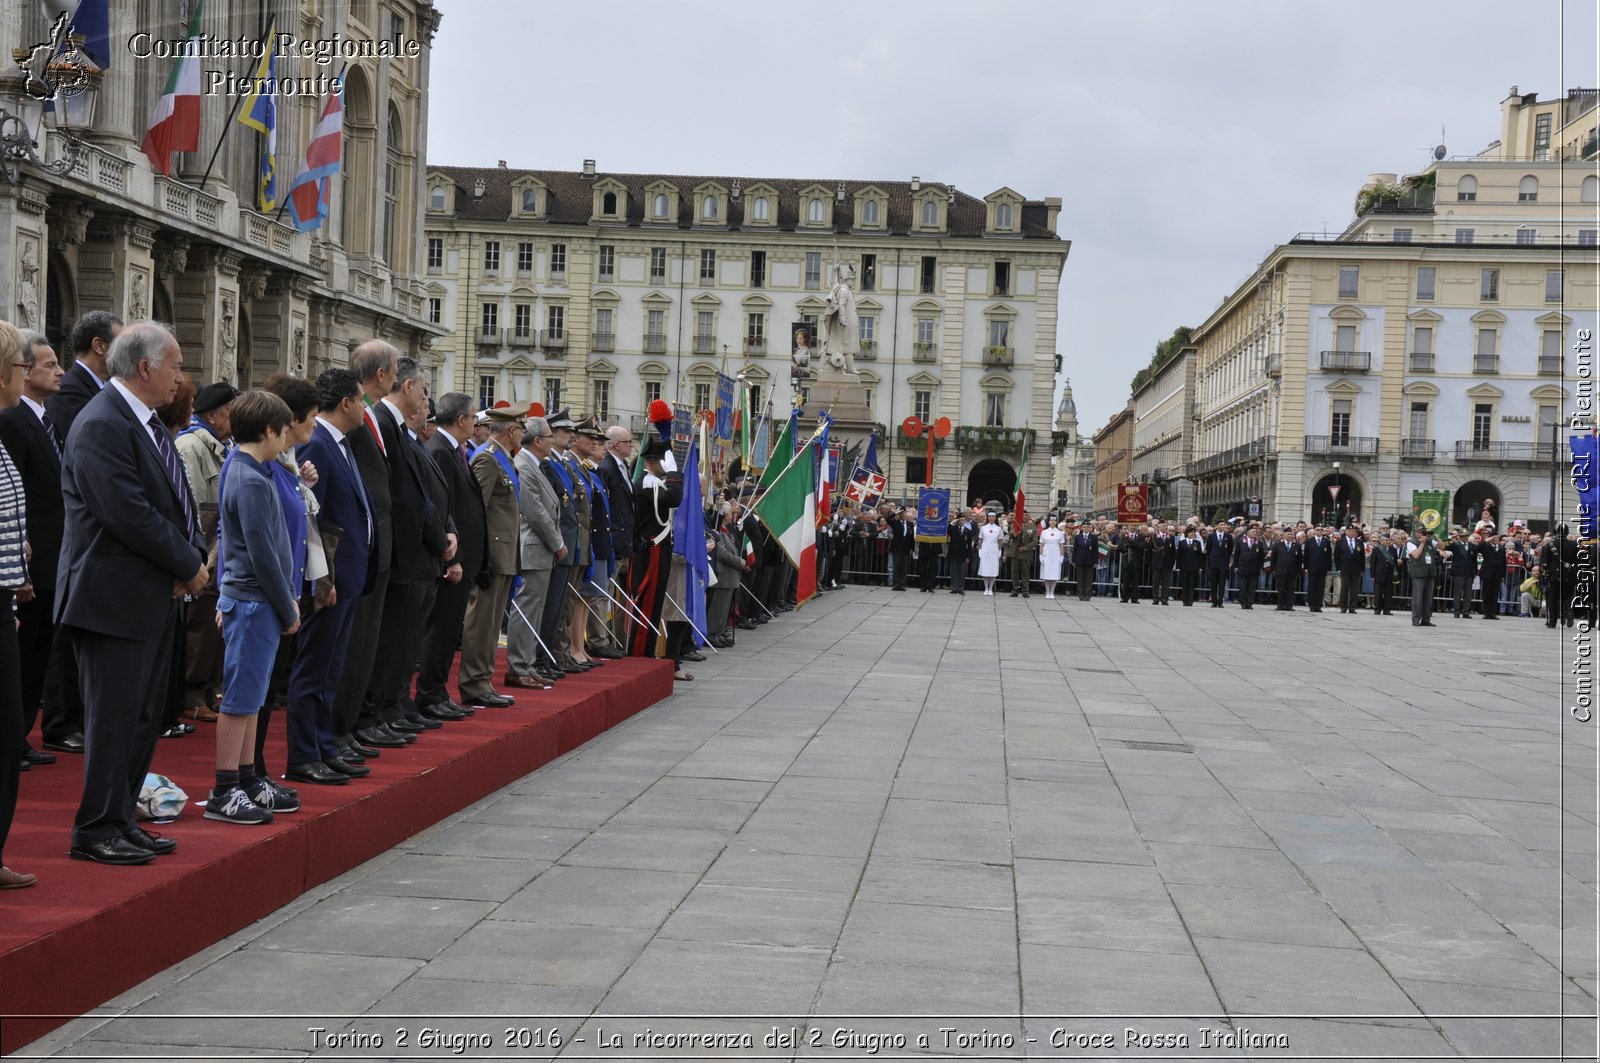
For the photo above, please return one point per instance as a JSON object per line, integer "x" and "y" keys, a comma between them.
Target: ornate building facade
{"x": 248, "y": 294}
{"x": 605, "y": 291}
{"x": 1163, "y": 436}
{"x": 1073, "y": 458}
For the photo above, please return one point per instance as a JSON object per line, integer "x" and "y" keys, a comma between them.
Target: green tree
{"x": 1165, "y": 351}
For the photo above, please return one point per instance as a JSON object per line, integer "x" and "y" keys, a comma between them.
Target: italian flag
{"x": 789, "y": 510}
{"x": 1019, "y": 514}
{"x": 175, "y": 122}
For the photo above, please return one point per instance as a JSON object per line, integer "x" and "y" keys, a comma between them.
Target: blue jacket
{"x": 340, "y": 493}
{"x": 1219, "y": 550}
{"x": 257, "y": 564}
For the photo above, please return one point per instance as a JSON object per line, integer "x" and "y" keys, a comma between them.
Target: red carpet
{"x": 86, "y": 932}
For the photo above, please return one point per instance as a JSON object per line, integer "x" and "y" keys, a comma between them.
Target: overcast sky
{"x": 1186, "y": 139}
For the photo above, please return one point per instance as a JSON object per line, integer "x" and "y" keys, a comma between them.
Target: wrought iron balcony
{"x": 993, "y": 439}
{"x": 869, "y": 351}
{"x": 1421, "y": 362}
{"x": 1347, "y": 361}
{"x": 522, "y": 337}
{"x": 1274, "y": 364}
{"x": 755, "y": 346}
{"x": 924, "y": 352}
{"x": 554, "y": 340}
{"x": 655, "y": 343}
{"x": 705, "y": 344}
{"x": 1254, "y": 450}
{"x": 603, "y": 342}
{"x": 489, "y": 336}
{"x": 1496, "y": 450}
{"x": 1550, "y": 364}
{"x": 1417, "y": 449}
{"x": 1486, "y": 363}
{"x": 1342, "y": 446}
{"x": 998, "y": 357}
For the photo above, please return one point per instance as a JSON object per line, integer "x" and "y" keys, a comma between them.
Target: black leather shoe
{"x": 404, "y": 726}
{"x": 150, "y": 843}
{"x": 349, "y": 755}
{"x": 427, "y": 723}
{"x": 317, "y": 772}
{"x": 606, "y": 653}
{"x": 550, "y": 674}
{"x": 118, "y": 851}
{"x": 405, "y": 736}
{"x": 72, "y": 743}
{"x": 344, "y": 767}
{"x": 34, "y": 756}
{"x": 359, "y": 750}
{"x": 440, "y": 712}
{"x": 372, "y": 736}
{"x": 491, "y": 700}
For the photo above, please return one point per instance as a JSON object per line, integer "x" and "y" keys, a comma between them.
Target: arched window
{"x": 530, "y": 201}
{"x": 1528, "y": 190}
{"x": 708, "y": 208}
{"x": 1466, "y": 189}
{"x": 869, "y": 212}
{"x": 391, "y": 185}
{"x": 930, "y": 213}
{"x": 814, "y": 210}
{"x": 436, "y": 198}
{"x": 761, "y": 208}
{"x": 661, "y": 205}
{"x": 1590, "y": 190}
{"x": 608, "y": 203}
{"x": 1002, "y": 216}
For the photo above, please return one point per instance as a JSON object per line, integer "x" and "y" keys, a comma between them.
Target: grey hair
{"x": 452, "y": 406}
{"x": 140, "y": 341}
{"x": 534, "y": 428}
{"x": 405, "y": 371}
{"x": 372, "y": 358}
{"x": 30, "y": 340}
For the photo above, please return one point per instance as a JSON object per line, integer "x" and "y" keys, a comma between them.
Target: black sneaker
{"x": 235, "y": 806}
{"x": 268, "y": 795}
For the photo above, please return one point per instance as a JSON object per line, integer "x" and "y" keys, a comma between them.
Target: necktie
{"x": 466, "y": 462}
{"x": 361, "y": 487}
{"x": 50, "y": 430}
{"x": 175, "y": 474}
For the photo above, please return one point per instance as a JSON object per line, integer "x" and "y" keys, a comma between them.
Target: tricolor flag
{"x": 789, "y": 510}
{"x": 308, "y": 194}
{"x": 175, "y": 122}
{"x": 782, "y": 451}
{"x": 260, "y": 112}
{"x": 824, "y": 472}
{"x": 1020, "y": 513}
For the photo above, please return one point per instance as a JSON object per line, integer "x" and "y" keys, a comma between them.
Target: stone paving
{"x": 1313, "y": 836}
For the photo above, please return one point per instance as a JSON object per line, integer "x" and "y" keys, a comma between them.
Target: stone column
{"x": 23, "y": 270}
{"x": 205, "y": 308}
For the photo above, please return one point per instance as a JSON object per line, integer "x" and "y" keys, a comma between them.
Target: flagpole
{"x": 238, "y": 98}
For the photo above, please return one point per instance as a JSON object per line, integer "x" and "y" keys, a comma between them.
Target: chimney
{"x": 502, "y": 164}
{"x": 916, "y": 184}
{"x": 838, "y": 196}
{"x": 1052, "y": 213}
{"x": 477, "y": 188}
{"x": 588, "y": 169}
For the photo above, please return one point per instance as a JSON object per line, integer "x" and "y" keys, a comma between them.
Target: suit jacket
{"x": 600, "y": 548}
{"x": 1319, "y": 556}
{"x": 1491, "y": 560}
{"x": 728, "y": 560}
{"x": 902, "y": 536}
{"x": 464, "y": 504}
{"x": 1247, "y": 560}
{"x": 619, "y": 490}
{"x": 567, "y": 513}
{"x": 78, "y": 386}
{"x": 542, "y": 511}
{"x": 1219, "y": 550}
{"x": 419, "y": 538}
{"x": 1191, "y": 555}
{"x": 1350, "y": 562}
{"x": 1085, "y": 549}
{"x": 1286, "y": 554}
{"x": 124, "y": 542}
{"x": 355, "y": 562}
{"x": 439, "y": 521}
{"x": 26, "y": 440}
{"x": 374, "y": 468}
{"x": 1383, "y": 564}
{"x": 499, "y": 493}
{"x": 1161, "y": 553}
{"x": 1462, "y": 560}
{"x": 580, "y": 499}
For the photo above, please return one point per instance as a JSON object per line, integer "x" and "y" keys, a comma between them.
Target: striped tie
{"x": 175, "y": 474}
{"x": 50, "y": 430}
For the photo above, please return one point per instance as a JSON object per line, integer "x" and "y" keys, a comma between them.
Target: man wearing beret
{"x": 203, "y": 446}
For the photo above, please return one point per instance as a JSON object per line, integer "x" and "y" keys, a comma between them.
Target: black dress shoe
{"x": 150, "y": 843}
{"x": 344, "y": 767}
{"x": 405, "y": 726}
{"x": 440, "y": 712}
{"x": 393, "y": 732}
{"x": 491, "y": 700}
{"x": 349, "y": 755}
{"x": 318, "y": 772}
{"x": 117, "y": 851}
{"x": 23, "y": 765}
{"x": 72, "y": 743}
{"x": 372, "y": 736}
{"x": 606, "y": 652}
{"x": 358, "y": 749}
{"x": 427, "y": 723}
{"x": 34, "y": 756}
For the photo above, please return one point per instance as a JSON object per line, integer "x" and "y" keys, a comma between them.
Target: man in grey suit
{"x": 540, "y": 513}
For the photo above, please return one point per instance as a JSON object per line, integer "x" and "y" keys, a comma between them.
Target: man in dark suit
{"x": 1491, "y": 555}
{"x": 1463, "y": 564}
{"x": 1191, "y": 559}
{"x": 324, "y": 638}
{"x": 963, "y": 537}
{"x": 902, "y": 540}
{"x": 373, "y": 363}
{"x": 1085, "y": 559}
{"x": 1350, "y": 558}
{"x": 451, "y": 452}
{"x": 29, "y": 436}
{"x": 616, "y": 472}
{"x": 90, "y": 339}
{"x": 1384, "y": 564}
{"x": 1160, "y": 560}
{"x": 131, "y": 547}
{"x": 1219, "y": 558}
{"x": 1248, "y": 557}
{"x": 420, "y": 428}
{"x": 1319, "y": 560}
{"x": 1286, "y": 559}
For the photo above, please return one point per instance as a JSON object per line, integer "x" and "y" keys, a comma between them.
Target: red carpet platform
{"x": 87, "y": 933}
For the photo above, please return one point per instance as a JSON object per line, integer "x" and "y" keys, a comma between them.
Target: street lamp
{"x": 70, "y": 86}
{"x": 1338, "y": 486}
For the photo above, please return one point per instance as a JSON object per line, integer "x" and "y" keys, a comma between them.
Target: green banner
{"x": 1430, "y": 509}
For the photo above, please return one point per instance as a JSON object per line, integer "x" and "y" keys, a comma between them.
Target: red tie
{"x": 372, "y": 426}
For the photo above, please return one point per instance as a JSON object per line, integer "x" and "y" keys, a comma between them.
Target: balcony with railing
{"x": 1274, "y": 364}
{"x": 522, "y": 336}
{"x": 1420, "y": 362}
{"x": 1347, "y": 361}
{"x": 869, "y": 351}
{"x": 704, "y": 344}
{"x": 755, "y": 346}
{"x": 655, "y": 343}
{"x": 1417, "y": 449}
{"x": 1496, "y": 450}
{"x": 924, "y": 351}
{"x": 993, "y": 439}
{"x": 1395, "y": 199}
{"x": 554, "y": 341}
{"x": 1254, "y": 450}
{"x": 1550, "y": 364}
{"x": 490, "y": 336}
{"x": 998, "y": 357}
{"x": 602, "y": 342}
{"x": 1342, "y": 446}
{"x": 1486, "y": 363}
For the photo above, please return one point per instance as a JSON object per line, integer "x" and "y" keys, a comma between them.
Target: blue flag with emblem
{"x": 689, "y": 543}
{"x": 1586, "y": 478}
{"x": 260, "y": 112}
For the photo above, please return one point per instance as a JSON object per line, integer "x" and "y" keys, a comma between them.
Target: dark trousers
{"x": 1421, "y": 600}
{"x": 1460, "y": 595}
{"x": 1285, "y": 588}
{"x": 1491, "y": 592}
{"x": 1129, "y": 586}
{"x": 63, "y": 698}
{"x": 1186, "y": 586}
{"x": 1382, "y": 596}
{"x": 204, "y": 649}
{"x": 1217, "y": 581}
{"x": 11, "y": 730}
{"x": 415, "y": 632}
{"x": 1349, "y": 591}
{"x": 399, "y": 636}
{"x": 124, "y": 683}
{"x": 902, "y": 569}
{"x": 1247, "y": 591}
{"x": 928, "y": 569}
{"x": 1021, "y": 575}
{"x": 441, "y": 640}
{"x": 1085, "y": 578}
{"x": 958, "y": 572}
{"x": 359, "y": 658}
{"x": 1316, "y": 590}
{"x": 678, "y": 644}
{"x": 1161, "y": 584}
{"x": 35, "y": 631}
{"x": 555, "y": 601}
{"x": 277, "y": 692}
{"x": 320, "y": 655}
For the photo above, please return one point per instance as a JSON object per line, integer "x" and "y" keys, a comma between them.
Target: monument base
{"x": 844, "y": 398}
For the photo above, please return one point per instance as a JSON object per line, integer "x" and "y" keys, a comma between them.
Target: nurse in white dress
{"x": 990, "y": 536}
{"x": 1050, "y": 544}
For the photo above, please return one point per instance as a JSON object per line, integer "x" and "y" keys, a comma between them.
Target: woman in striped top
{"x": 13, "y": 574}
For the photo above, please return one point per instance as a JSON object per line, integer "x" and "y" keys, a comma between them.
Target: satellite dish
{"x": 1439, "y": 153}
